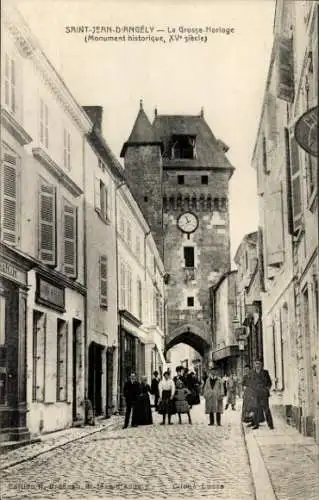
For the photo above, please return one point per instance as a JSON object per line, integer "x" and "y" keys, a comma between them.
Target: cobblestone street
{"x": 146, "y": 462}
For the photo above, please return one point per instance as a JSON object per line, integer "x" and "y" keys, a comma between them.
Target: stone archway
{"x": 193, "y": 336}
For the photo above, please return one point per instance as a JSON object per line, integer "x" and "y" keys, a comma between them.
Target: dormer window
{"x": 183, "y": 147}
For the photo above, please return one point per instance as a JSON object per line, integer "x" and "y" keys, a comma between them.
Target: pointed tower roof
{"x": 142, "y": 133}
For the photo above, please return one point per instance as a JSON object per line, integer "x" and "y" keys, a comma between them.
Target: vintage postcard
{"x": 159, "y": 249}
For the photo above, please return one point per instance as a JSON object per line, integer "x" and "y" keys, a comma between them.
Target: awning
{"x": 226, "y": 352}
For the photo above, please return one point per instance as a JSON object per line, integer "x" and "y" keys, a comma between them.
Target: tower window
{"x": 190, "y": 301}
{"x": 183, "y": 147}
{"x": 180, "y": 179}
{"x": 189, "y": 257}
{"x": 145, "y": 198}
{"x": 204, "y": 179}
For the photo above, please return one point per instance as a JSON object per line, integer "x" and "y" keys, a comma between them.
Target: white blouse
{"x": 166, "y": 385}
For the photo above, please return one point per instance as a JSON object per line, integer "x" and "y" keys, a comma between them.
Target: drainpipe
{"x": 85, "y": 275}
{"x": 120, "y": 399}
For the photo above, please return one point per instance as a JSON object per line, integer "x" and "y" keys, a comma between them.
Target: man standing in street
{"x": 261, "y": 384}
{"x": 154, "y": 389}
{"x": 131, "y": 393}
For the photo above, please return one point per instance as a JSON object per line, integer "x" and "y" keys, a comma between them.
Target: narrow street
{"x": 146, "y": 462}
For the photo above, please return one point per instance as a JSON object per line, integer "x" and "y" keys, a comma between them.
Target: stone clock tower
{"x": 189, "y": 178}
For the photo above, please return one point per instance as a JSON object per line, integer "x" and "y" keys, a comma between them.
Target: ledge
{"x": 57, "y": 171}
{"x": 130, "y": 317}
{"x": 11, "y": 124}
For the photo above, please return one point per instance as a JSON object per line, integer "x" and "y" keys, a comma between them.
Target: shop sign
{"x": 50, "y": 294}
{"x": 306, "y": 131}
{"x": 11, "y": 272}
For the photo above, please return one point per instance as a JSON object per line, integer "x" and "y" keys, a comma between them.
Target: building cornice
{"x": 14, "y": 128}
{"x": 30, "y": 48}
{"x": 56, "y": 171}
{"x": 124, "y": 313}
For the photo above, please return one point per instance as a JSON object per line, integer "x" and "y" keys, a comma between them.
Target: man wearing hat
{"x": 213, "y": 394}
{"x": 261, "y": 384}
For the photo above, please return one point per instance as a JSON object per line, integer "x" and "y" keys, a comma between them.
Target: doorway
{"x": 76, "y": 356}
{"x": 95, "y": 377}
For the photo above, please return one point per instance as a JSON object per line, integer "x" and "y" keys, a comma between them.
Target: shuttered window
{"x": 62, "y": 360}
{"x": 288, "y": 182}
{"x": 103, "y": 281}
{"x": 101, "y": 199}
{"x": 8, "y": 185}
{"x": 285, "y": 76}
{"x": 47, "y": 224}
{"x": 139, "y": 299}
{"x": 274, "y": 228}
{"x": 129, "y": 289}
{"x": 39, "y": 354}
{"x": 70, "y": 240}
{"x": 122, "y": 286}
{"x": 295, "y": 183}
{"x": 44, "y": 124}
{"x": 10, "y": 83}
{"x": 66, "y": 149}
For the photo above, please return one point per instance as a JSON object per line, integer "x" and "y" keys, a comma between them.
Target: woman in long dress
{"x": 167, "y": 391}
{"x": 250, "y": 400}
{"x": 143, "y": 404}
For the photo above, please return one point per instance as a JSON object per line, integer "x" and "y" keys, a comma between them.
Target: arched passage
{"x": 192, "y": 339}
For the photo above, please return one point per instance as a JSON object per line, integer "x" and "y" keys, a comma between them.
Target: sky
{"x": 225, "y": 75}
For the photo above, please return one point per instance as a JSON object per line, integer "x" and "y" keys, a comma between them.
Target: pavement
{"x": 284, "y": 463}
{"x": 177, "y": 461}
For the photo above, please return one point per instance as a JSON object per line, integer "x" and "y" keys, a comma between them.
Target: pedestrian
{"x": 154, "y": 388}
{"x": 213, "y": 394}
{"x": 182, "y": 405}
{"x": 261, "y": 383}
{"x": 143, "y": 404}
{"x": 131, "y": 393}
{"x": 179, "y": 373}
{"x": 231, "y": 386}
{"x": 166, "y": 404}
{"x": 224, "y": 380}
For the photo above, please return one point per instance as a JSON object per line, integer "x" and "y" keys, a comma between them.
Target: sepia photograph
{"x": 159, "y": 300}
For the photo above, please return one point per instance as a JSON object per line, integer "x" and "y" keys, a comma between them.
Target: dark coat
{"x": 261, "y": 383}
{"x": 154, "y": 387}
{"x": 143, "y": 406}
{"x": 131, "y": 391}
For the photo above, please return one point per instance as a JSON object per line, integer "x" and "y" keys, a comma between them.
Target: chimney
{"x": 155, "y": 112}
{"x": 202, "y": 112}
{"x": 95, "y": 114}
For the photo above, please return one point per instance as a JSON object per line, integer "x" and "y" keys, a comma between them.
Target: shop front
{"x": 132, "y": 350}
{"x": 55, "y": 351}
{"x": 13, "y": 367}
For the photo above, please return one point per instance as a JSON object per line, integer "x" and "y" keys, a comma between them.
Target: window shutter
{"x": 271, "y": 118}
{"x": 46, "y": 125}
{"x": 295, "y": 183}
{"x": 13, "y": 86}
{"x": 274, "y": 233}
{"x": 7, "y": 80}
{"x": 285, "y": 76}
{"x": 97, "y": 193}
{"x": 9, "y": 199}
{"x": 103, "y": 281}
{"x": 47, "y": 225}
{"x": 288, "y": 183}
{"x": 70, "y": 250}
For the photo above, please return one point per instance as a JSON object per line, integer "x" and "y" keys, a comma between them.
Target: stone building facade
{"x": 141, "y": 299}
{"x": 248, "y": 297}
{"x": 179, "y": 173}
{"x": 226, "y": 353}
{"x": 288, "y": 204}
{"x": 43, "y": 289}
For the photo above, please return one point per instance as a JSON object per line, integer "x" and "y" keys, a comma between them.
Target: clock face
{"x": 187, "y": 222}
